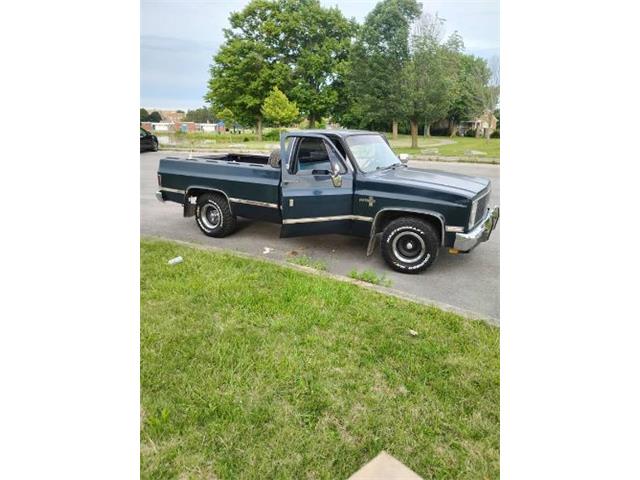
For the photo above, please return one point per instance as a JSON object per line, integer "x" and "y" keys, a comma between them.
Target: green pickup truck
{"x": 336, "y": 181}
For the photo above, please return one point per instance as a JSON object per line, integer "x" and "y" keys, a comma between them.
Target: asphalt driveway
{"x": 470, "y": 282}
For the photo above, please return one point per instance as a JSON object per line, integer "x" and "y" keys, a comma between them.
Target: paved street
{"x": 470, "y": 282}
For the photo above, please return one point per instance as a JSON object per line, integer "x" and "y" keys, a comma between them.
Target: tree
{"x": 317, "y": 42}
{"x": 279, "y": 110}
{"x": 144, "y": 115}
{"x": 295, "y": 45}
{"x": 428, "y": 86}
{"x": 491, "y": 98}
{"x": 227, "y": 117}
{"x": 155, "y": 117}
{"x": 200, "y": 115}
{"x": 243, "y": 73}
{"x": 379, "y": 55}
{"x": 471, "y": 83}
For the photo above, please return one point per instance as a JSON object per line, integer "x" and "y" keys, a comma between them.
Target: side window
{"x": 311, "y": 155}
{"x": 338, "y": 146}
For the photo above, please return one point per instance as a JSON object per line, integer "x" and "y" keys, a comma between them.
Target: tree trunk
{"x": 414, "y": 133}
{"x": 259, "y": 128}
{"x": 312, "y": 121}
{"x": 394, "y": 129}
{"x": 427, "y": 129}
{"x": 452, "y": 128}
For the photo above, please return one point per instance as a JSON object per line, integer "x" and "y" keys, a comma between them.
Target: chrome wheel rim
{"x": 211, "y": 216}
{"x": 408, "y": 247}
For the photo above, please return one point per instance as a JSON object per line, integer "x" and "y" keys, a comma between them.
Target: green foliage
{"x": 295, "y": 45}
{"x": 372, "y": 91}
{"x": 279, "y": 110}
{"x": 249, "y": 370}
{"x": 495, "y": 134}
{"x": 370, "y": 276}
{"x": 154, "y": 117}
{"x": 144, "y": 115}
{"x": 200, "y": 115}
{"x": 471, "y": 77}
{"x": 273, "y": 135}
{"x": 316, "y": 49}
{"x": 397, "y": 68}
{"x": 427, "y": 77}
{"x": 227, "y": 116}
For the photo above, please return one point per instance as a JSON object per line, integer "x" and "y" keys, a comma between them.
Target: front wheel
{"x": 410, "y": 245}
{"x": 213, "y": 215}
{"x": 154, "y": 145}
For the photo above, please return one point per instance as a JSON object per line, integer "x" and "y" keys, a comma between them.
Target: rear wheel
{"x": 410, "y": 245}
{"x": 213, "y": 215}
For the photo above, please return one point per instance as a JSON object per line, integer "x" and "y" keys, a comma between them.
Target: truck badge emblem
{"x": 369, "y": 201}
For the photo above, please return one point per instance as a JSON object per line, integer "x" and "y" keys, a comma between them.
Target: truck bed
{"x": 251, "y": 158}
{"x": 247, "y": 180}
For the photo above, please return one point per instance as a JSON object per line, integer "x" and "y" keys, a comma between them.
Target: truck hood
{"x": 463, "y": 185}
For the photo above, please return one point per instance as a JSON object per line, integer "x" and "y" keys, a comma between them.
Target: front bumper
{"x": 468, "y": 241}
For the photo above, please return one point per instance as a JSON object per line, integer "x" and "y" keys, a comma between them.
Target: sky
{"x": 178, "y": 39}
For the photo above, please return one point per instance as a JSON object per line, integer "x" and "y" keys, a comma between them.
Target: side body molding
{"x": 428, "y": 213}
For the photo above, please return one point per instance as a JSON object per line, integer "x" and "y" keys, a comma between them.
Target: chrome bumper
{"x": 159, "y": 196}
{"x": 467, "y": 241}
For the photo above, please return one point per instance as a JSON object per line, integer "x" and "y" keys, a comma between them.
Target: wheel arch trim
{"x": 198, "y": 187}
{"x": 209, "y": 189}
{"x": 417, "y": 211}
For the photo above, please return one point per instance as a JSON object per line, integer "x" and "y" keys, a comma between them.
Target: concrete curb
{"x": 341, "y": 278}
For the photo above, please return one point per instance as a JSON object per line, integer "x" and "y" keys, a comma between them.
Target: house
{"x": 184, "y": 127}
{"x": 484, "y": 125}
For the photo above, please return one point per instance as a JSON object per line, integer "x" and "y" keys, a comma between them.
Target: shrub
{"x": 273, "y": 135}
{"x": 439, "y": 132}
{"x": 470, "y": 133}
{"x": 495, "y": 134}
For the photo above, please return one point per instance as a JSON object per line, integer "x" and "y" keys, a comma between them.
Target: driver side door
{"x": 317, "y": 188}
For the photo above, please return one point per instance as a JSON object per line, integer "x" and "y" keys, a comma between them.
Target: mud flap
{"x": 189, "y": 210}
{"x": 373, "y": 242}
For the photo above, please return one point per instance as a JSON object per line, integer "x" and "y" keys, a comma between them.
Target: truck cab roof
{"x": 342, "y": 133}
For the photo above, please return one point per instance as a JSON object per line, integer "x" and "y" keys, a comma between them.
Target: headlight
{"x": 472, "y": 215}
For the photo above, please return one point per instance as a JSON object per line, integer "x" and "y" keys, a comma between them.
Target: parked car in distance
{"x": 148, "y": 141}
{"x": 336, "y": 181}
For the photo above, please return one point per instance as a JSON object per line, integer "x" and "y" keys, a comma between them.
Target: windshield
{"x": 372, "y": 152}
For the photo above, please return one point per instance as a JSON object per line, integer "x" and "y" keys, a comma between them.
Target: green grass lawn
{"x": 254, "y": 370}
{"x": 459, "y": 146}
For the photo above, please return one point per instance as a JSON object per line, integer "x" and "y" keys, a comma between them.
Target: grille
{"x": 482, "y": 208}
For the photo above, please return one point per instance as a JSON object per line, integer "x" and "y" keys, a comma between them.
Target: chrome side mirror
{"x": 336, "y": 178}
{"x": 404, "y": 158}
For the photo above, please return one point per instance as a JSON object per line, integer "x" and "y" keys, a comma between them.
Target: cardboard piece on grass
{"x": 385, "y": 467}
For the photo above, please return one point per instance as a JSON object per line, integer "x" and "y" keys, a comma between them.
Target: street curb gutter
{"x": 341, "y": 278}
